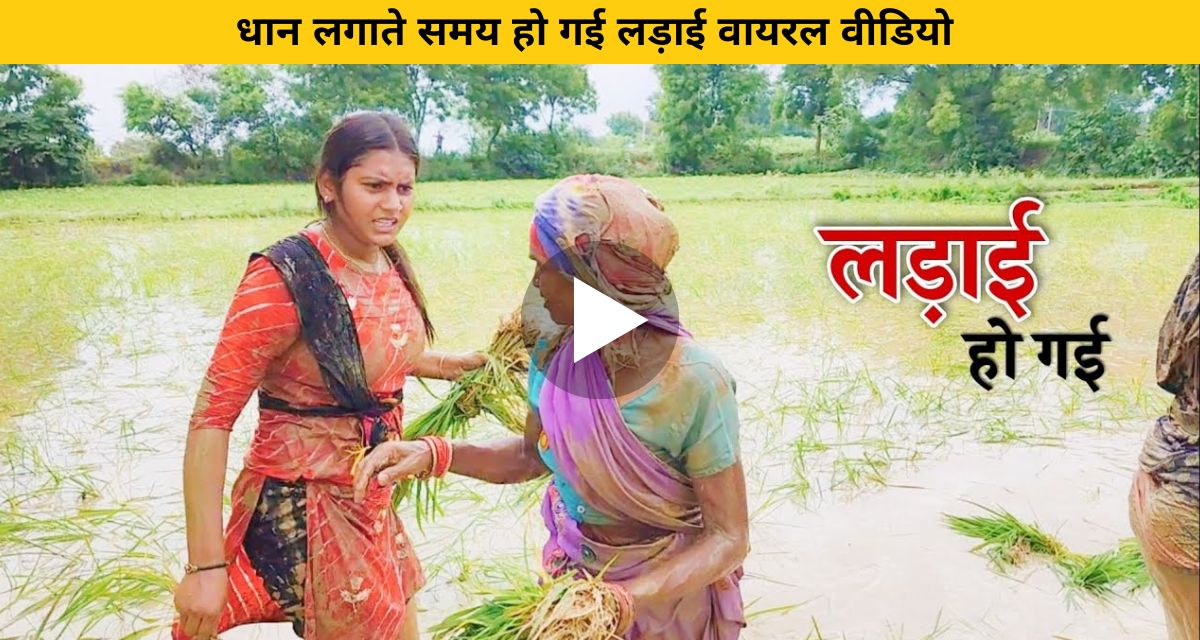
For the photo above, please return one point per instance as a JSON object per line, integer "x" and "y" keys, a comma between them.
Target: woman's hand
{"x": 716, "y": 553}
{"x": 638, "y": 592}
{"x": 200, "y": 601}
{"x": 465, "y": 362}
{"x": 447, "y": 366}
{"x": 391, "y": 461}
{"x": 626, "y": 607}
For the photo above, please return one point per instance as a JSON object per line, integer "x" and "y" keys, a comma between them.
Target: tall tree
{"x": 702, "y": 110}
{"x": 625, "y": 123}
{"x": 260, "y": 125}
{"x": 44, "y": 137}
{"x": 561, "y": 91}
{"x": 327, "y": 91}
{"x": 497, "y": 98}
{"x": 1174, "y": 135}
{"x": 186, "y": 121}
{"x": 807, "y": 94}
{"x": 945, "y": 117}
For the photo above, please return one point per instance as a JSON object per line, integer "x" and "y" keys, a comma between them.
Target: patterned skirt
{"x": 276, "y": 543}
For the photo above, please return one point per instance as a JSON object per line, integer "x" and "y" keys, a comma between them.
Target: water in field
{"x": 860, "y": 427}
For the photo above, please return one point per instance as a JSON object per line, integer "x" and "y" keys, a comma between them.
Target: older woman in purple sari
{"x": 641, "y": 437}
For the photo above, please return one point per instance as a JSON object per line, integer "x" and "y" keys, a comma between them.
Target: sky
{"x": 619, "y": 87}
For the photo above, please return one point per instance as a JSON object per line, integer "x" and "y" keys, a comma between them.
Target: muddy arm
{"x": 720, "y": 549}
{"x": 501, "y": 461}
{"x": 505, "y": 460}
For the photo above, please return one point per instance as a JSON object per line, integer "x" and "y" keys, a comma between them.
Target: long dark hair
{"x": 353, "y": 137}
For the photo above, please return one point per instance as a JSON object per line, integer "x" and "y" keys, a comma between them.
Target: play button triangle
{"x": 599, "y": 320}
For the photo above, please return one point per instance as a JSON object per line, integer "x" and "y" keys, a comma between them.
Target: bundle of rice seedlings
{"x": 563, "y": 608}
{"x": 497, "y": 389}
{"x": 1104, "y": 574}
{"x": 1007, "y": 541}
{"x": 504, "y": 614}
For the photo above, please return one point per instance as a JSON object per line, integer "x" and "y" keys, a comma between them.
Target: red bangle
{"x": 447, "y": 458}
{"x": 433, "y": 452}
{"x": 441, "y": 453}
{"x": 624, "y": 607}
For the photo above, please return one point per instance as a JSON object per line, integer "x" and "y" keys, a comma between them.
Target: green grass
{"x": 157, "y": 203}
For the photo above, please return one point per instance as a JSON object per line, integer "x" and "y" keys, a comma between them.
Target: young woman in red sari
{"x": 325, "y": 326}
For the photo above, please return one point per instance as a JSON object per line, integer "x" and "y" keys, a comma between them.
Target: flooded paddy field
{"x": 861, "y": 427}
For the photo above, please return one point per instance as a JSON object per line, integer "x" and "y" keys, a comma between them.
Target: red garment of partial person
{"x": 361, "y": 568}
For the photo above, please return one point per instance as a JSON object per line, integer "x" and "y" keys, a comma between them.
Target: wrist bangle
{"x": 624, "y": 608}
{"x": 433, "y": 457}
{"x": 190, "y": 568}
{"x": 445, "y": 458}
{"x": 442, "y": 455}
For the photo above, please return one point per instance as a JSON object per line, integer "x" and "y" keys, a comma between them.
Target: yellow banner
{"x": 670, "y": 31}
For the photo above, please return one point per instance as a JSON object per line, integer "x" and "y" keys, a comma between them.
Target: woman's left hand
{"x": 389, "y": 462}
{"x": 448, "y": 366}
{"x": 461, "y": 363}
{"x": 627, "y": 602}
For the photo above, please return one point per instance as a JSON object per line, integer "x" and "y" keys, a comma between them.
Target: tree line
{"x": 247, "y": 123}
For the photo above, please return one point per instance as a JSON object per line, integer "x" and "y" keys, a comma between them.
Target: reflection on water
{"x": 850, "y": 467}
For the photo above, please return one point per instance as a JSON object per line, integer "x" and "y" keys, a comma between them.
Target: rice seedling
{"x": 815, "y": 632}
{"x": 799, "y": 484}
{"x": 1008, "y": 542}
{"x": 504, "y": 614}
{"x": 939, "y": 629}
{"x": 754, "y": 613}
{"x": 999, "y": 431}
{"x": 1122, "y": 569}
{"x": 112, "y": 589}
{"x": 46, "y": 532}
{"x": 497, "y": 389}
{"x": 528, "y": 608}
{"x": 75, "y": 581}
{"x": 857, "y": 472}
{"x": 806, "y": 443}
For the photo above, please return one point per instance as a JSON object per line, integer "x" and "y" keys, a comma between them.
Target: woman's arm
{"x": 504, "y": 460}
{"x": 200, "y": 597}
{"x": 447, "y": 366}
{"x": 204, "y": 460}
{"x": 261, "y": 325}
{"x": 501, "y": 461}
{"x": 719, "y": 550}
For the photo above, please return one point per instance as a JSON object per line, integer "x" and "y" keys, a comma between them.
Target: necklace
{"x": 362, "y": 265}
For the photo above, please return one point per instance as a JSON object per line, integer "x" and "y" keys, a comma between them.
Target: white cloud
{"x": 102, "y": 85}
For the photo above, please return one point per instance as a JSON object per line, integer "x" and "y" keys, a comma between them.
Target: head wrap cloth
{"x": 609, "y": 233}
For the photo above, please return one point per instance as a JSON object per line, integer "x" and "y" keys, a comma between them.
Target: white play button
{"x": 599, "y": 320}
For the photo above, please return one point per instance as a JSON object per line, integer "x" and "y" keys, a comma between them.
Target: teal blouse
{"x": 687, "y": 416}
